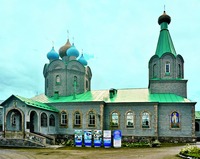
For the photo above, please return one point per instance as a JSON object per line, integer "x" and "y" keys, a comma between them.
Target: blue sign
{"x": 78, "y": 138}
{"x": 107, "y": 138}
{"x": 117, "y": 138}
{"x": 97, "y": 138}
{"x": 88, "y": 138}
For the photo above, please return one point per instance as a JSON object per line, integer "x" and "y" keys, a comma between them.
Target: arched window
{"x": 129, "y": 120}
{"x": 145, "y": 120}
{"x": 87, "y": 85}
{"x": 51, "y": 120}
{"x": 91, "y": 119}
{"x": 43, "y": 120}
{"x": 13, "y": 119}
{"x": 154, "y": 71}
{"x": 196, "y": 126}
{"x": 179, "y": 71}
{"x": 175, "y": 120}
{"x": 57, "y": 79}
{"x": 114, "y": 119}
{"x": 77, "y": 118}
{"x": 167, "y": 67}
{"x": 63, "y": 117}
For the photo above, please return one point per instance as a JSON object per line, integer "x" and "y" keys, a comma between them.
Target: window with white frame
{"x": 77, "y": 118}
{"x": 114, "y": 119}
{"x": 129, "y": 120}
{"x": 63, "y": 118}
{"x": 91, "y": 119}
{"x": 167, "y": 67}
{"x": 145, "y": 120}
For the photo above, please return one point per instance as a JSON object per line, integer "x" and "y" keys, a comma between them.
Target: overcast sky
{"x": 118, "y": 37}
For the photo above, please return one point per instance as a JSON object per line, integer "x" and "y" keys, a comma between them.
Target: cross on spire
{"x": 67, "y": 33}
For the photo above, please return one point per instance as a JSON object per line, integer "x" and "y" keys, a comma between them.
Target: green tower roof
{"x": 165, "y": 44}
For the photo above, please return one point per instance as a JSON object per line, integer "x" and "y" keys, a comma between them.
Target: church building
{"x": 161, "y": 111}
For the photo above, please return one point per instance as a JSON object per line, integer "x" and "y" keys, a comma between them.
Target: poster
{"x": 107, "y": 138}
{"x": 97, "y": 138}
{"x": 117, "y": 138}
{"x": 78, "y": 138}
{"x": 88, "y": 138}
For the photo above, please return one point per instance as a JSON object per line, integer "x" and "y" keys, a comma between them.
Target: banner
{"x": 88, "y": 138}
{"x": 78, "y": 138}
{"x": 107, "y": 138}
{"x": 117, "y": 138}
{"x": 97, "y": 138}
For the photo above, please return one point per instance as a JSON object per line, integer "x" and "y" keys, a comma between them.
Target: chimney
{"x": 112, "y": 92}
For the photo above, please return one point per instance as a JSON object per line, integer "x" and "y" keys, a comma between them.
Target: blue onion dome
{"x": 52, "y": 55}
{"x": 72, "y": 51}
{"x": 82, "y": 60}
{"x": 63, "y": 49}
{"x": 164, "y": 18}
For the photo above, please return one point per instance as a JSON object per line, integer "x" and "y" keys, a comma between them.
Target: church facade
{"x": 161, "y": 111}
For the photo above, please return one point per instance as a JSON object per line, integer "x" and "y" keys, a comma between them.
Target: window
{"x": 129, "y": 120}
{"x": 47, "y": 83}
{"x": 114, "y": 119}
{"x": 175, "y": 120}
{"x": 51, "y": 120}
{"x": 77, "y": 119}
{"x": 145, "y": 120}
{"x": 87, "y": 85}
{"x": 196, "y": 126}
{"x": 63, "y": 118}
{"x": 44, "y": 120}
{"x": 167, "y": 68}
{"x": 13, "y": 119}
{"x": 57, "y": 79}
{"x": 91, "y": 119}
{"x": 154, "y": 71}
{"x": 179, "y": 71}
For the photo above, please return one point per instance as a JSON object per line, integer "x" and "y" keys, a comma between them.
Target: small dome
{"x": 72, "y": 51}
{"x": 82, "y": 60}
{"x": 63, "y": 49}
{"x": 164, "y": 18}
{"x": 52, "y": 55}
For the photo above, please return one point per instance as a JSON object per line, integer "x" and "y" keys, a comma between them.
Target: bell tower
{"x": 166, "y": 67}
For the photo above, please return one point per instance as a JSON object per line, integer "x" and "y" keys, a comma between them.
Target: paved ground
{"x": 92, "y": 153}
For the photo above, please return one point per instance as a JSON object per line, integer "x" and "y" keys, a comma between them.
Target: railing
{"x": 1, "y": 134}
{"x": 35, "y": 138}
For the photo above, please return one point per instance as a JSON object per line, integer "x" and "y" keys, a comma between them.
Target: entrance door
{"x": 33, "y": 121}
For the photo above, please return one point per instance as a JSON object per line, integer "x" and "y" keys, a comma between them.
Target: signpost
{"x": 107, "y": 138}
{"x": 78, "y": 138}
{"x": 117, "y": 138}
{"x": 97, "y": 138}
{"x": 88, "y": 138}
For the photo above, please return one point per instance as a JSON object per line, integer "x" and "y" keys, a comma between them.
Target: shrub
{"x": 190, "y": 150}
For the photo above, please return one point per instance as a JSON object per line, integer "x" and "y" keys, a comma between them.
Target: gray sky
{"x": 115, "y": 34}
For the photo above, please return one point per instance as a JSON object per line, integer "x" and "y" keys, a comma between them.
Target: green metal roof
{"x": 165, "y": 43}
{"x": 36, "y": 104}
{"x": 123, "y": 95}
{"x": 197, "y": 115}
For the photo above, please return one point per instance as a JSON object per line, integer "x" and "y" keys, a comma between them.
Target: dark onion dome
{"x": 72, "y": 51}
{"x": 82, "y": 60}
{"x": 52, "y": 55}
{"x": 164, "y": 18}
{"x": 63, "y": 49}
